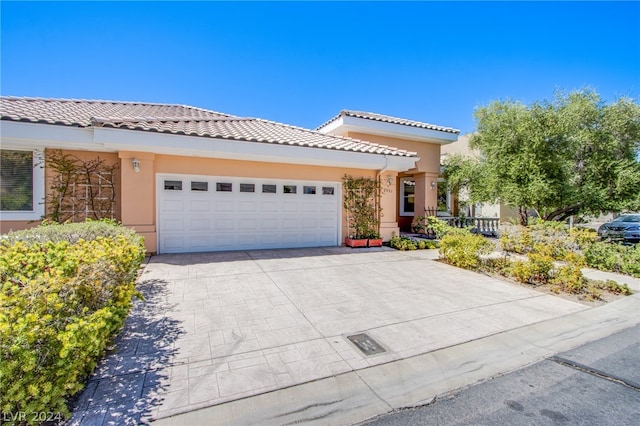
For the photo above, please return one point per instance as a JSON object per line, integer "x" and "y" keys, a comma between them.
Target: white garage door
{"x": 209, "y": 213}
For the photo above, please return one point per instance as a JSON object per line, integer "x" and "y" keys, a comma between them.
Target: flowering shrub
{"x": 62, "y": 299}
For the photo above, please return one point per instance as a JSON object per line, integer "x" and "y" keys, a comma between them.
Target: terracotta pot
{"x": 353, "y": 242}
{"x": 375, "y": 242}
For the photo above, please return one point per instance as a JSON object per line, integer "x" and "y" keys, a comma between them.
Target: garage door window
{"x": 173, "y": 185}
{"x": 199, "y": 186}
{"x": 289, "y": 189}
{"x": 224, "y": 187}
{"x": 268, "y": 189}
{"x": 247, "y": 187}
{"x": 327, "y": 190}
{"x": 309, "y": 190}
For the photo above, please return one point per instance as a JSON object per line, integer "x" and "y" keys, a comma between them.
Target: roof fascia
{"x": 38, "y": 135}
{"x": 344, "y": 124}
{"x": 169, "y": 144}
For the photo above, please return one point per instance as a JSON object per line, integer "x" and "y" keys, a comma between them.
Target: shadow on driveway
{"x": 126, "y": 382}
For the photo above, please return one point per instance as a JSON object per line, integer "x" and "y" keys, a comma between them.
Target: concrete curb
{"x": 362, "y": 394}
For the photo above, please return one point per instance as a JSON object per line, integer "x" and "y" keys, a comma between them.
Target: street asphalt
{"x": 595, "y": 384}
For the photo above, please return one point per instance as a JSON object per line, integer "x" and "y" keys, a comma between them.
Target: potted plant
{"x": 361, "y": 203}
{"x": 374, "y": 240}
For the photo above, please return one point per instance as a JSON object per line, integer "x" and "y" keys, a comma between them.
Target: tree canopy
{"x": 569, "y": 156}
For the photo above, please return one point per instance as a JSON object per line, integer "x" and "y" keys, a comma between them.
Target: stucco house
{"x": 190, "y": 179}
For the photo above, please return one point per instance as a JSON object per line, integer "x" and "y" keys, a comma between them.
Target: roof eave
{"x": 344, "y": 124}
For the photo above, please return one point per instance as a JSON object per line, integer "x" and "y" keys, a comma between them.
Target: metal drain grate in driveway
{"x": 366, "y": 344}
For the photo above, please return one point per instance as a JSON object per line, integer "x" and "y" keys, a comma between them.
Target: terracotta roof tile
{"x": 178, "y": 119}
{"x": 389, "y": 119}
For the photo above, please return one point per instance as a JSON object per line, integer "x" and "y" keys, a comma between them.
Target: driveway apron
{"x": 217, "y": 327}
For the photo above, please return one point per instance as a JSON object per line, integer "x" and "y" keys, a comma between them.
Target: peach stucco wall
{"x": 429, "y": 153}
{"x": 7, "y": 226}
{"x": 426, "y": 171}
{"x": 138, "y": 189}
{"x": 136, "y": 195}
{"x": 110, "y": 158}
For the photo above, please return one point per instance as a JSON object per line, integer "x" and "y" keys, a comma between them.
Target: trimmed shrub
{"x": 463, "y": 249}
{"x": 614, "y": 257}
{"x": 66, "y": 291}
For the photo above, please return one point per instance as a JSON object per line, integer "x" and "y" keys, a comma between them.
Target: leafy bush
{"x": 405, "y": 243}
{"x": 430, "y": 224}
{"x": 61, "y": 301}
{"x": 464, "y": 249}
{"x": 614, "y": 257}
{"x": 520, "y": 239}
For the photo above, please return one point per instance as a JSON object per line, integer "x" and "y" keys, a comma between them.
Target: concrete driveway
{"x": 218, "y": 327}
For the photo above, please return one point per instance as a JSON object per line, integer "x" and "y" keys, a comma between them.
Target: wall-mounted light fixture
{"x": 433, "y": 184}
{"x": 390, "y": 180}
{"x": 136, "y": 164}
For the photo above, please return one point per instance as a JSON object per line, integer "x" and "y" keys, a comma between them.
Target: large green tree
{"x": 569, "y": 156}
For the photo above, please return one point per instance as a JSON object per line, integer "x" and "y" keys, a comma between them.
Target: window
{"x": 199, "y": 186}
{"x": 268, "y": 189}
{"x": 327, "y": 190}
{"x": 16, "y": 181}
{"x": 310, "y": 190}
{"x": 407, "y": 196}
{"x": 21, "y": 184}
{"x": 224, "y": 187}
{"x": 247, "y": 187}
{"x": 289, "y": 189}
{"x": 173, "y": 185}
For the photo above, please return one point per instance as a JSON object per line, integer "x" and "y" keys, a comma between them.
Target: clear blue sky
{"x": 301, "y": 63}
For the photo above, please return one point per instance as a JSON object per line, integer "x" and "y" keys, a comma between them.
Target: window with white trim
{"x": 21, "y": 184}
{"x": 407, "y": 196}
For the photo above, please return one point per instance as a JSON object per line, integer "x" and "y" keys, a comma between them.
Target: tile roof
{"x": 178, "y": 119}
{"x": 389, "y": 119}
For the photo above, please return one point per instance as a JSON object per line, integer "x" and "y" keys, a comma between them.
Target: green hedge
{"x": 66, "y": 291}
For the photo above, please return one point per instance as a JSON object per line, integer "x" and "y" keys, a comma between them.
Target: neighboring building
{"x": 458, "y": 204}
{"x": 189, "y": 179}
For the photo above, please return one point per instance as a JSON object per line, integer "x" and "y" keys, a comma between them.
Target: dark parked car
{"x": 625, "y": 227}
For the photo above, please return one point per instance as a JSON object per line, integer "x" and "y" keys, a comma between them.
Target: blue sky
{"x": 301, "y": 63}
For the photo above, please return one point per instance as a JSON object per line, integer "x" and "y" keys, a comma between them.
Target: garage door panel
{"x": 269, "y": 206}
{"x": 173, "y": 224}
{"x": 247, "y": 206}
{"x": 173, "y": 243}
{"x": 326, "y": 207}
{"x": 290, "y": 223}
{"x": 290, "y": 206}
{"x": 173, "y": 206}
{"x": 310, "y": 206}
{"x": 223, "y": 206}
{"x": 268, "y": 224}
{"x": 200, "y": 243}
{"x": 249, "y": 224}
{"x": 199, "y": 206}
{"x": 223, "y": 224}
{"x": 199, "y": 224}
{"x": 212, "y": 218}
{"x": 269, "y": 240}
